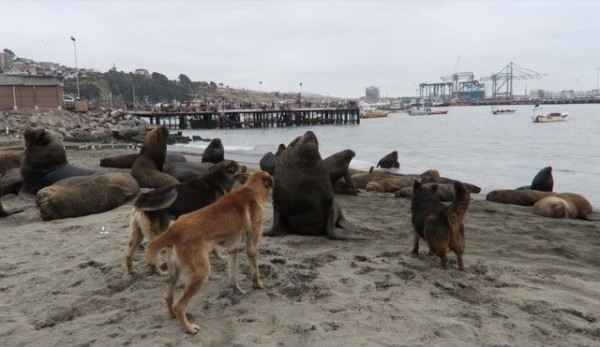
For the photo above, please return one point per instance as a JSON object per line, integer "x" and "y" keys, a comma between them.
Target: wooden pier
{"x": 229, "y": 119}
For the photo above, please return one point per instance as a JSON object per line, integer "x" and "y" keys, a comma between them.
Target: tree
{"x": 184, "y": 80}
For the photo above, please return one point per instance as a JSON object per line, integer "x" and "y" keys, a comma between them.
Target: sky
{"x": 335, "y": 48}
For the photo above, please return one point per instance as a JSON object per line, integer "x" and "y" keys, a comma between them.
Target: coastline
{"x": 529, "y": 280}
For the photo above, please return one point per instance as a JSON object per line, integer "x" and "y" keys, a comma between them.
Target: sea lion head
{"x": 308, "y": 145}
{"x": 38, "y": 137}
{"x": 280, "y": 149}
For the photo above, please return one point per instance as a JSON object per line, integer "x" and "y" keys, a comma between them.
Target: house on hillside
{"x": 30, "y": 92}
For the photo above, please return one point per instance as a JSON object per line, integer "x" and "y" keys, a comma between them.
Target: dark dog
{"x": 154, "y": 211}
{"x": 440, "y": 225}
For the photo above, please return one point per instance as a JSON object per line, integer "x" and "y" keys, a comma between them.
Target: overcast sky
{"x": 335, "y": 48}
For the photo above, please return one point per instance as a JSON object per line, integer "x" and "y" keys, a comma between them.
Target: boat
{"x": 503, "y": 111}
{"x": 373, "y": 114}
{"x": 426, "y": 111}
{"x": 539, "y": 116}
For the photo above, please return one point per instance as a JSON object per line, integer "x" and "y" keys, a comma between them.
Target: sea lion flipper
{"x": 278, "y": 228}
{"x": 336, "y": 218}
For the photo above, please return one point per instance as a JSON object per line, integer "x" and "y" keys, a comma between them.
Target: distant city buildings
{"x": 6, "y": 60}
{"x": 372, "y": 93}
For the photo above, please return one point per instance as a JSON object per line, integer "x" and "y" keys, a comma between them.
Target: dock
{"x": 231, "y": 119}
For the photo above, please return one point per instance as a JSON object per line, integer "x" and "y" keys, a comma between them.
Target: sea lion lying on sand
{"x": 524, "y": 197}
{"x": 10, "y": 159}
{"x": 85, "y": 195}
{"x": 564, "y": 205}
{"x": 389, "y": 161}
{"x": 444, "y": 191}
{"x": 126, "y": 161}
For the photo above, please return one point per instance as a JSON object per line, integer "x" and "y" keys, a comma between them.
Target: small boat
{"x": 503, "y": 111}
{"x": 539, "y": 116}
{"x": 373, "y": 114}
{"x": 426, "y": 111}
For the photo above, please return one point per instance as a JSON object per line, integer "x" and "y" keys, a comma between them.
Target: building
{"x": 372, "y": 93}
{"x": 142, "y": 72}
{"x": 6, "y": 60}
{"x": 30, "y": 92}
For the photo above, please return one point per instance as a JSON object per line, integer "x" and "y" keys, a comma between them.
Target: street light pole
{"x": 300, "y": 96}
{"x": 260, "y": 83}
{"x": 597, "y": 77}
{"x": 76, "y": 69}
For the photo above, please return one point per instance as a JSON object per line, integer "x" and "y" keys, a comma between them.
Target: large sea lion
{"x": 389, "y": 161}
{"x": 126, "y": 161}
{"x": 564, "y": 205}
{"x": 269, "y": 160}
{"x": 543, "y": 181}
{"x": 337, "y": 165}
{"x": 149, "y": 165}
{"x": 45, "y": 161}
{"x": 85, "y": 195}
{"x": 303, "y": 199}
{"x": 214, "y": 152}
{"x": 10, "y": 159}
{"x": 523, "y": 197}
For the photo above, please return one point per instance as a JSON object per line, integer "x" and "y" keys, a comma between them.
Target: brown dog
{"x": 154, "y": 211}
{"x": 234, "y": 218}
{"x": 440, "y": 225}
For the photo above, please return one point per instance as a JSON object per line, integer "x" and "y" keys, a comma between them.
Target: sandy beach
{"x": 529, "y": 281}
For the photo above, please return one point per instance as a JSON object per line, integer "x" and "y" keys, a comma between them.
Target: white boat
{"x": 539, "y": 116}
{"x": 426, "y": 111}
{"x": 503, "y": 111}
{"x": 370, "y": 111}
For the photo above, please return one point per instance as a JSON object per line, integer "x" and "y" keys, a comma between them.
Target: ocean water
{"x": 469, "y": 144}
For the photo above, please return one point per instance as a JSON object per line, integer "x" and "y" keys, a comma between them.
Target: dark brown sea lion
{"x": 471, "y": 187}
{"x": 523, "y": 197}
{"x": 45, "y": 161}
{"x": 149, "y": 165}
{"x": 564, "y": 205}
{"x": 126, "y": 161}
{"x": 303, "y": 199}
{"x": 389, "y": 161}
{"x": 214, "y": 152}
{"x": 543, "y": 181}
{"x": 444, "y": 191}
{"x": 268, "y": 161}
{"x": 10, "y": 159}
{"x": 85, "y": 195}
{"x": 337, "y": 165}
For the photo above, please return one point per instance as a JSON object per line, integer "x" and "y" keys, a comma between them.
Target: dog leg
{"x": 134, "y": 241}
{"x": 197, "y": 272}
{"x": 416, "y": 238}
{"x": 252, "y": 252}
{"x": 233, "y": 272}
{"x": 174, "y": 273}
{"x": 443, "y": 259}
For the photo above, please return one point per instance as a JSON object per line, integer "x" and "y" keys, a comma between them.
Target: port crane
{"x": 502, "y": 82}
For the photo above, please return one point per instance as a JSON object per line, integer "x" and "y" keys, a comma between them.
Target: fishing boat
{"x": 503, "y": 111}
{"x": 426, "y": 111}
{"x": 373, "y": 113}
{"x": 539, "y": 116}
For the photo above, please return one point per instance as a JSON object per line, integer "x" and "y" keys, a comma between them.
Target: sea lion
{"x": 10, "y": 159}
{"x": 148, "y": 167}
{"x": 391, "y": 184}
{"x": 214, "y": 152}
{"x": 564, "y": 205}
{"x": 471, "y": 187}
{"x": 523, "y": 197}
{"x": 303, "y": 199}
{"x": 85, "y": 195}
{"x": 389, "y": 161}
{"x": 444, "y": 191}
{"x": 3, "y": 212}
{"x": 268, "y": 161}
{"x": 11, "y": 182}
{"x": 542, "y": 181}
{"x": 337, "y": 165}
{"x": 45, "y": 161}
{"x": 187, "y": 170}
{"x": 126, "y": 161}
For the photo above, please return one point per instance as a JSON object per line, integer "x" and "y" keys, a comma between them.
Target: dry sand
{"x": 529, "y": 281}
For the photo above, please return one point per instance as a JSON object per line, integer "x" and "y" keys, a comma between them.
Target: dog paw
{"x": 192, "y": 329}
{"x": 259, "y": 285}
{"x": 238, "y": 290}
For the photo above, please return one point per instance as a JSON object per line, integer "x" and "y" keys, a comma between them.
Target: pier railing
{"x": 229, "y": 119}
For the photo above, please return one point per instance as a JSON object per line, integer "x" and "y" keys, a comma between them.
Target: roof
{"x": 18, "y": 80}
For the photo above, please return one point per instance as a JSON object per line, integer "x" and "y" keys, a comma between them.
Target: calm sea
{"x": 468, "y": 144}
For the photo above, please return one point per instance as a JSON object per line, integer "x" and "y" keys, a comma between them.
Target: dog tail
{"x": 157, "y": 199}
{"x": 457, "y": 210}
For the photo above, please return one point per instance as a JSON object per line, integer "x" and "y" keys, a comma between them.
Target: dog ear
{"x": 241, "y": 177}
{"x": 268, "y": 181}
